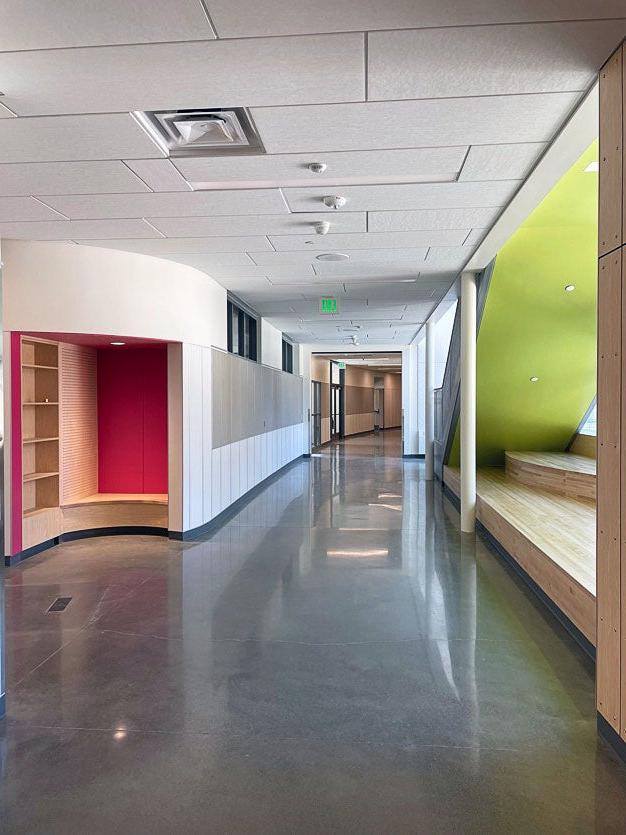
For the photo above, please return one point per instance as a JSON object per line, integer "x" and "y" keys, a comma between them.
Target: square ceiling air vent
{"x": 218, "y": 132}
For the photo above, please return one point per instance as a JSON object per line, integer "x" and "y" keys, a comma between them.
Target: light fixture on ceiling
{"x": 118, "y": 343}
{"x": 322, "y": 227}
{"x": 534, "y": 379}
{"x": 593, "y": 167}
{"x": 334, "y": 201}
{"x": 317, "y": 167}
{"x": 332, "y": 256}
{"x": 216, "y": 132}
{"x": 569, "y": 288}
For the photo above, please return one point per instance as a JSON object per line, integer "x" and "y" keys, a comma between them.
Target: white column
{"x": 429, "y": 402}
{"x": 468, "y": 401}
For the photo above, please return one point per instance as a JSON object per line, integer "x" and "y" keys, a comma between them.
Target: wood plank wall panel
{"x": 254, "y": 399}
{"x": 611, "y": 443}
{"x": 358, "y": 400}
{"x": 79, "y": 422}
{"x": 393, "y": 400}
{"x": 610, "y": 223}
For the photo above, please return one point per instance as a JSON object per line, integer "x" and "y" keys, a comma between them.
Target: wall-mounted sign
{"x": 341, "y": 364}
{"x": 328, "y": 305}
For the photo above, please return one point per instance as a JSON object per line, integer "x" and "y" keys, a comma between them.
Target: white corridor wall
{"x": 215, "y": 478}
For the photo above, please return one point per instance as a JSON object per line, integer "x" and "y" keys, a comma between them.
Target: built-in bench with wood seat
{"x": 115, "y": 510}
{"x": 559, "y": 472}
{"x": 548, "y": 532}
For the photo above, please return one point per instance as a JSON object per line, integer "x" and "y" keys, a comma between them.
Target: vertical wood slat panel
{"x": 610, "y": 223}
{"x": 79, "y": 422}
{"x": 608, "y": 486}
{"x": 620, "y": 257}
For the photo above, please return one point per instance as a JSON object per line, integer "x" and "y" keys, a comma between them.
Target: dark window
{"x": 287, "y": 356}
{"x": 241, "y": 332}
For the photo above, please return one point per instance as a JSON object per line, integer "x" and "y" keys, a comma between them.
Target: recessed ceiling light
{"x": 118, "y": 343}
{"x": 332, "y": 256}
{"x": 534, "y": 379}
{"x": 569, "y": 288}
{"x": 593, "y": 167}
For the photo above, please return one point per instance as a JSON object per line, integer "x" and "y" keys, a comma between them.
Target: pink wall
{"x": 132, "y": 419}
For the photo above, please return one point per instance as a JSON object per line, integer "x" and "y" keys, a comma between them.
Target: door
{"x": 379, "y": 408}
{"x": 316, "y": 414}
{"x": 335, "y": 410}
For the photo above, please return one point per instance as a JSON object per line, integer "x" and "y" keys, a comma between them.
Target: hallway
{"x": 335, "y": 658}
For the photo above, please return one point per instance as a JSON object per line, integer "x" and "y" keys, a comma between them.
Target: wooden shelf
{"x": 45, "y": 367}
{"x": 41, "y": 514}
{"x": 38, "y": 476}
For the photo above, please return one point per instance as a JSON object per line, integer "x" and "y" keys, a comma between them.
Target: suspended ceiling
{"x": 428, "y": 116}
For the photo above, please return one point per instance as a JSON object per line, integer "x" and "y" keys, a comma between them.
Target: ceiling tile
{"x": 407, "y": 196}
{"x": 399, "y": 221}
{"x": 381, "y": 256}
{"x": 345, "y": 268}
{"x": 412, "y": 124}
{"x": 489, "y": 60}
{"x": 319, "y": 68}
{"x": 369, "y": 240}
{"x": 25, "y": 208}
{"x": 411, "y": 164}
{"x": 285, "y": 224}
{"x": 68, "y": 178}
{"x": 40, "y": 24}
{"x": 475, "y": 236}
{"x": 61, "y": 138}
{"x": 63, "y": 230}
{"x": 219, "y": 259}
{"x": 241, "y": 18}
{"x": 445, "y": 257}
{"x": 276, "y": 271}
{"x": 501, "y": 162}
{"x": 5, "y": 113}
{"x": 159, "y": 174}
{"x": 221, "y": 243}
{"x": 153, "y": 205}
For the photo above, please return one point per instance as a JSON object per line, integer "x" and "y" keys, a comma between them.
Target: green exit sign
{"x": 342, "y": 365}
{"x": 328, "y": 305}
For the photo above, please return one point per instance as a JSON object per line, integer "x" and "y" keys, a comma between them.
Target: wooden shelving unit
{"x": 41, "y": 513}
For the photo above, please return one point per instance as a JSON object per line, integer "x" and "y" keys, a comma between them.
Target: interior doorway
{"x": 316, "y": 414}
{"x": 379, "y": 404}
{"x": 335, "y": 411}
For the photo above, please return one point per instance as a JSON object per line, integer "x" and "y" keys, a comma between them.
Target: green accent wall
{"x": 532, "y": 327}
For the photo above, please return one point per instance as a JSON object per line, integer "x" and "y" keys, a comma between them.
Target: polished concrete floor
{"x": 336, "y": 658}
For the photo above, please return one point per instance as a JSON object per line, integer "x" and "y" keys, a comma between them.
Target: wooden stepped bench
{"x": 559, "y": 472}
{"x": 551, "y": 536}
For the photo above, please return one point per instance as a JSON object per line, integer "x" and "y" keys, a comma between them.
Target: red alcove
{"x": 132, "y": 419}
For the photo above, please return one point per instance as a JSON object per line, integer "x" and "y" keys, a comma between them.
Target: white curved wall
{"x": 68, "y": 288}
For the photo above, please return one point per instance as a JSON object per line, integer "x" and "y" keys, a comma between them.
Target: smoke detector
{"x": 334, "y": 201}
{"x": 317, "y": 167}
{"x": 217, "y": 132}
{"x": 323, "y": 227}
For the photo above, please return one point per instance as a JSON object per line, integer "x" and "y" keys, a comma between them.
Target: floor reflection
{"x": 335, "y": 657}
